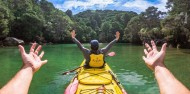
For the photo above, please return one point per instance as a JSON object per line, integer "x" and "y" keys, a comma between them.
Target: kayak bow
{"x": 95, "y": 81}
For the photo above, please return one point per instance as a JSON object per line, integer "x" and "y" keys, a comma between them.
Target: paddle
{"x": 67, "y": 72}
{"x": 111, "y": 54}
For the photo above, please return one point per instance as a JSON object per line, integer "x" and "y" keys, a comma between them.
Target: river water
{"x": 127, "y": 64}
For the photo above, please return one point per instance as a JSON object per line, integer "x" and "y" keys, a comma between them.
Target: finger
{"x": 153, "y": 45}
{"x": 145, "y": 52}
{"x": 36, "y": 57}
{"x": 144, "y": 58}
{"x": 164, "y": 47}
{"x": 21, "y": 48}
{"x": 33, "y": 47}
{"x": 148, "y": 47}
{"x": 44, "y": 62}
{"x": 41, "y": 55}
{"x": 150, "y": 54}
{"x": 38, "y": 49}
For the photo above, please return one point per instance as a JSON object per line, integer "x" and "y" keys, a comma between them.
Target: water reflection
{"x": 136, "y": 83}
{"x": 132, "y": 78}
{"x": 128, "y": 65}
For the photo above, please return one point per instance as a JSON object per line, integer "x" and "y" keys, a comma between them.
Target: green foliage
{"x": 33, "y": 20}
{"x": 132, "y": 29}
{"x": 151, "y": 34}
{"x": 28, "y": 27}
{"x": 178, "y": 6}
{"x": 4, "y": 21}
{"x": 40, "y": 21}
{"x": 175, "y": 31}
{"x": 105, "y": 28}
{"x": 104, "y": 22}
{"x": 152, "y": 17}
{"x": 69, "y": 13}
{"x": 176, "y": 26}
{"x": 144, "y": 27}
{"x": 57, "y": 25}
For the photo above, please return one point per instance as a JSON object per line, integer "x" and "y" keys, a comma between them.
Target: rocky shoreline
{"x": 11, "y": 41}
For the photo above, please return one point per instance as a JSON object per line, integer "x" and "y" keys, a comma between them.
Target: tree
{"x": 146, "y": 24}
{"x": 178, "y": 6}
{"x": 57, "y": 27}
{"x": 105, "y": 28}
{"x": 152, "y": 17}
{"x": 151, "y": 34}
{"x": 4, "y": 21}
{"x": 176, "y": 26}
{"x": 126, "y": 19}
{"x": 98, "y": 19}
{"x": 175, "y": 31}
{"x": 132, "y": 29}
{"x": 69, "y": 13}
{"x": 28, "y": 27}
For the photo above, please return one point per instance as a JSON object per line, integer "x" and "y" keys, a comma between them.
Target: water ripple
{"x": 132, "y": 78}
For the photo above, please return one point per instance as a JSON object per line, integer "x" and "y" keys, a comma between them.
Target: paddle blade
{"x": 65, "y": 73}
{"x": 111, "y": 54}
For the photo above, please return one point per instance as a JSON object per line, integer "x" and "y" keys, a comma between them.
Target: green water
{"x": 127, "y": 65}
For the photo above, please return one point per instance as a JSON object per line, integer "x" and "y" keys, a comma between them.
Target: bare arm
{"x": 107, "y": 48}
{"x": 154, "y": 59}
{"x": 73, "y": 34}
{"x": 20, "y": 83}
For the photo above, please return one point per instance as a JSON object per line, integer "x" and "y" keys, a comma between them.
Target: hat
{"x": 94, "y": 44}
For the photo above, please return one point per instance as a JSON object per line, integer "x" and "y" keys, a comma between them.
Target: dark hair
{"x": 94, "y": 44}
{"x": 71, "y": 30}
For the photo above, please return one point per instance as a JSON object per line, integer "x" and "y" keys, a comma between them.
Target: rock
{"x": 11, "y": 41}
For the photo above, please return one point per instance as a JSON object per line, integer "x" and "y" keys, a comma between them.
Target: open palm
{"x": 73, "y": 34}
{"x": 32, "y": 59}
{"x": 153, "y": 56}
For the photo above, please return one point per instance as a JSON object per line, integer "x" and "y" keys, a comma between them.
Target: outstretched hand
{"x": 73, "y": 34}
{"x": 32, "y": 59}
{"x": 154, "y": 57}
{"x": 117, "y": 35}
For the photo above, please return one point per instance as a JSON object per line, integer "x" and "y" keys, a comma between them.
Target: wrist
{"x": 28, "y": 68}
{"x": 159, "y": 67}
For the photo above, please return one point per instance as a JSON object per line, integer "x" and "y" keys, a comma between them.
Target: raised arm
{"x": 107, "y": 48}
{"x": 154, "y": 59}
{"x": 32, "y": 62}
{"x": 73, "y": 34}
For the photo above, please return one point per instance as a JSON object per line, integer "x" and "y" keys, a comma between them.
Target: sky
{"x": 137, "y": 6}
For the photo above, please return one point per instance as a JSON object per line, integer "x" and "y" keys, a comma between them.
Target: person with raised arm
{"x": 167, "y": 83}
{"x": 94, "y": 57}
{"x": 32, "y": 62}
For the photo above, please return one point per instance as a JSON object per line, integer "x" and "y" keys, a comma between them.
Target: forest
{"x": 40, "y": 21}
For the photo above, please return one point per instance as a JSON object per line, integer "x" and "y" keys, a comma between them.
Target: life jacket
{"x": 96, "y": 60}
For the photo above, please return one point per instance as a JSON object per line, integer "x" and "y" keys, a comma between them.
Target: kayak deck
{"x": 94, "y": 76}
{"x": 97, "y": 81}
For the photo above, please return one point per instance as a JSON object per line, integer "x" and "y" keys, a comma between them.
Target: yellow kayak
{"x": 95, "y": 81}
